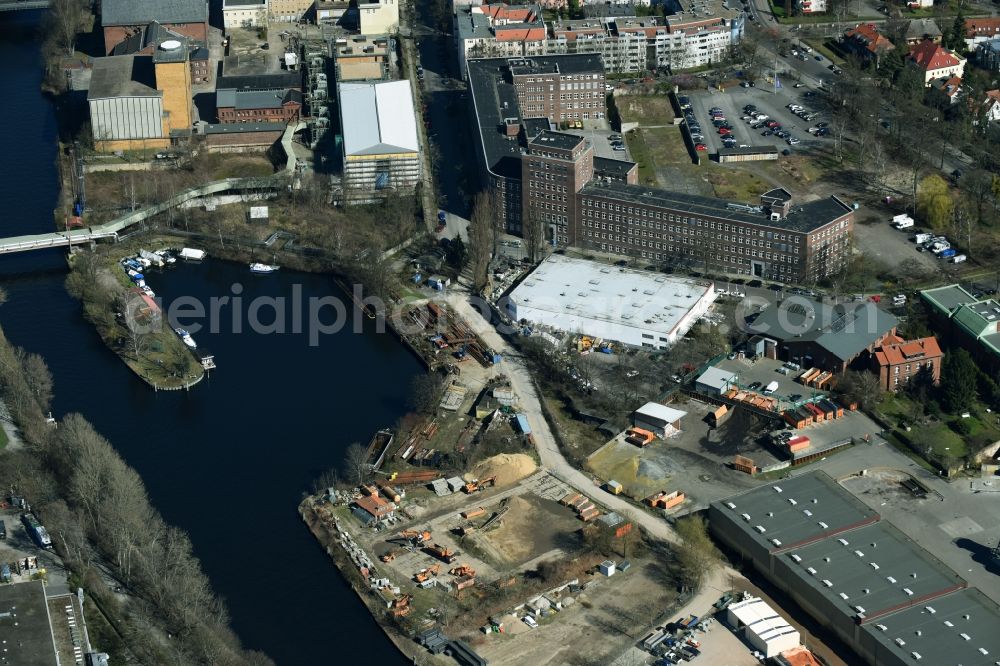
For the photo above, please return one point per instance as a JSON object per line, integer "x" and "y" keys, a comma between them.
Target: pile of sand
{"x": 509, "y": 468}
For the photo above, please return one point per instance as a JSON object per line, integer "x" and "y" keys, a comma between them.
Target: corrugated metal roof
{"x": 378, "y": 118}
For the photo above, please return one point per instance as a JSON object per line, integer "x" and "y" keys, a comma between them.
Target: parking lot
{"x": 602, "y": 145}
{"x": 764, "y": 371}
{"x": 773, "y": 104}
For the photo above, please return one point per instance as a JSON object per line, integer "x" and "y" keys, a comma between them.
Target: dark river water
{"x": 228, "y": 461}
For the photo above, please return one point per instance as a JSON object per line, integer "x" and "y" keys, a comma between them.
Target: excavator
{"x": 424, "y": 574}
{"x": 462, "y": 570}
{"x": 476, "y": 484}
{"x": 401, "y": 605}
{"x": 390, "y": 556}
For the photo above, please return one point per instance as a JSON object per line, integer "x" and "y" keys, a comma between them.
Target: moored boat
{"x": 258, "y": 267}
{"x": 186, "y": 337}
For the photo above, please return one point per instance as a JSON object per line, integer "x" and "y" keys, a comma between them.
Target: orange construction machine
{"x": 462, "y": 570}
{"x": 480, "y": 484}
{"x": 444, "y": 554}
{"x": 424, "y": 574}
{"x": 401, "y": 605}
{"x": 416, "y": 536}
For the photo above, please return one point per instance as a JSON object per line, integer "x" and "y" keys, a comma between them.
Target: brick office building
{"x": 901, "y": 360}
{"x": 553, "y": 178}
{"x": 258, "y": 106}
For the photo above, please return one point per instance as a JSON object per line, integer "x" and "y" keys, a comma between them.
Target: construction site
{"x": 487, "y": 557}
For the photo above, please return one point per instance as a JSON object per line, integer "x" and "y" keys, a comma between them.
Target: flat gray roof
{"x": 123, "y": 76}
{"x": 949, "y": 298}
{"x": 804, "y": 217}
{"x": 228, "y": 98}
{"x": 561, "y": 140}
{"x": 29, "y": 643}
{"x": 845, "y": 330}
{"x": 961, "y": 628}
{"x": 141, "y": 12}
{"x": 796, "y": 511}
{"x": 873, "y": 571}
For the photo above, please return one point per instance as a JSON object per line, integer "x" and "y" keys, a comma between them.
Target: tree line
{"x": 101, "y": 519}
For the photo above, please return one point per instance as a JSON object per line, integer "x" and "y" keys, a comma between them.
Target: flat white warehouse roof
{"x": 378, "y": 118}
{"x": 657, "y": 411}
{"x": 762, "y": 620}
{"x": 577, "y": 296}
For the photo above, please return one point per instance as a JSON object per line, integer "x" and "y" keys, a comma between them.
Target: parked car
{"x": 700, "y": 146}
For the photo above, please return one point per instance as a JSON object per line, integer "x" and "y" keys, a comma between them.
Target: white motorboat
{"x": 258, "y": 267}
{"x": 186, "y": 337}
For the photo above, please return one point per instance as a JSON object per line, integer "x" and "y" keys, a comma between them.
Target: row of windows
{"x": 695, "y": 222}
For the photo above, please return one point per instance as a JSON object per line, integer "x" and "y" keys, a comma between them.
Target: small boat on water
{"x": 186, "y": 337}
{"x": 258, "y": 267}
{"x": 192, "y": 254}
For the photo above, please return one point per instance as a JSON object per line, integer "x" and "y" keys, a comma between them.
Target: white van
{"x": 958, "y": 258}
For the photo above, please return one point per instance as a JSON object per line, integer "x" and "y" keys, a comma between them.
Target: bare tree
{"x": 481, "y": 239}
{"x": 38, "y": 377}
{"x": 533, "y": 231}
{"x": 65, "y": 19}
{"x": 356, "y": 463}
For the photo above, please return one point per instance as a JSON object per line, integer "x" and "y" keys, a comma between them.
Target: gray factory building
{"x": 879, "y": 592}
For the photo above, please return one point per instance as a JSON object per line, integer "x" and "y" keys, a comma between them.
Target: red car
{"x": 700, "y": 146}
{"x": 724, "y": 131}
{"x": 773, "y": 123}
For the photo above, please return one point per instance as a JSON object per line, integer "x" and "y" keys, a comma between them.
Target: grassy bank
{"x": 139, "y": 334}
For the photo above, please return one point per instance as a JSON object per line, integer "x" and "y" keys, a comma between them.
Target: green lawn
{"x": 639, "y": 151}
{"x": 3, "y": 439}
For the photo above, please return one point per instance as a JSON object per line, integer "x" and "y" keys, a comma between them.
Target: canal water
{"x": 228, "y": 461}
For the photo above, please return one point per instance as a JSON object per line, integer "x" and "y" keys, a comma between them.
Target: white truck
{"x": 958, "y": 258}
{"x": 903, "y": 221}
{"x": 921, "y": 238}
{"x": 770, "y": 388}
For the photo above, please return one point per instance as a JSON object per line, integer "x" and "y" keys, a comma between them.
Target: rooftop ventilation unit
{"x": 930, "y": 609}
{"x": 812, "y": 572}
{"x": 760, "y": 528}
{"x": 776, "y": 542}
{"x": 908, "y": 591}
{"x": 966, "y": 637}
{"x": 823, "y": 525}
{"x": 791, "y": 500}
{"x": 827, "y": 583}
{"x": 796, "y": 557}
{"x": 859, "y": 553}
{"x": 746, "y": 517}
{"x": 730, "y": 505}
{"x": 807, "y": 512}
{"x": 874, "y": 566}
{"x": 890, "y": 579}
{"x": 882, "y": 627}
{"x": 777, "y": 489}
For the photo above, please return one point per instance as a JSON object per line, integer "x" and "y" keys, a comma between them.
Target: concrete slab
{"x": 960, "y": 527}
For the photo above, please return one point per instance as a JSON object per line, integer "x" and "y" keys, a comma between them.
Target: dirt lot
{"x": 533, "y": 526}
{"x": 609, "y": 616}
{"x": 647, "y": 110}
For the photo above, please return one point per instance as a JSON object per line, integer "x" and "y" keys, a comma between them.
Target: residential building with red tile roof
{"x": 865, "y": 41}
{"x": 950, "y": 87}
{"x": 991, "y": 107}
{"x": 935, "y": 61}
{"x": 981, "y": 30}
{"x": 897, "y": 362}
